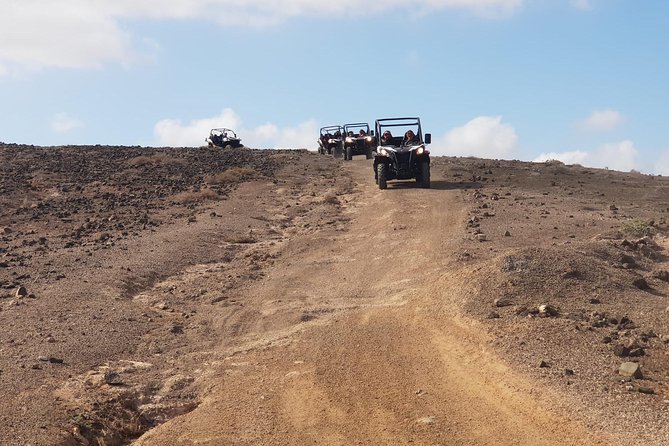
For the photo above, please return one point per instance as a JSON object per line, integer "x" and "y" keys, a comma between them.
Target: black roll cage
{"x": 398, "y": 122}
{"x": 356, "y": 125}
{"x": 331, "y": 127}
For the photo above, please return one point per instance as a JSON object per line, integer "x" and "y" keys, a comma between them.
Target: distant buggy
{"x": 401, "y": 153}
{"x": 358, "y": 140}
{"x": 329, "y": 141}
{"x": 223, "y": 137}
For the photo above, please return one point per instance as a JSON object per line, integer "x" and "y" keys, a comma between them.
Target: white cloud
{"x": 89, "y": 34}
{"x": 583, "y": 5}
{"x": 575, "y": 157}
{"x": 603, "y": 120}
{"x": 484, "y": 136}
{"x": 622, "y": 156}
{"x": 662, "y": 164}
{"x": 64, "y": 123}
{"x": 64, "y": 34}
{"x": 171, "y": 132}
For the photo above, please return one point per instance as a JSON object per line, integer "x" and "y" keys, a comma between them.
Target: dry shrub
{"x": 239, "y": 239}
{"x": 155, "y": 159}
{"x": 233, "y": 175}
{"x": 40, "y": 179}
{"x": 638, "y": 228}
{"x": 195, "y": 197}
{"x": 330, "y": 198}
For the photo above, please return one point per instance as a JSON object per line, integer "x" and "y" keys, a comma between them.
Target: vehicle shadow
{"x": 435, "y": 184}
{"x": 449, "y": 185}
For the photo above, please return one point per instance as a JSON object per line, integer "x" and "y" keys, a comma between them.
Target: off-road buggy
{"x": 329, "y": 141}
{"x": 358, "y": 140}
{"x": 222, "y": 137}
{"x": 401, "y": 153}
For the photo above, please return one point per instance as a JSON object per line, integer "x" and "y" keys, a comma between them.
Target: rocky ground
{"x": 211, "y": 296}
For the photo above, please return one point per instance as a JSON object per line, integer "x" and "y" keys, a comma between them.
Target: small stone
{"x": 607, "y": 340}
{"x": 621, "y": 351}
{"x": 595, "y": 301}
{"x": 507, "y": 234}
{"x": 546, "y": 310}
{"x": 36, "y": 367}
{"x": 630, "y": 370}
{"x": 636, "y": 352}
{"x": 54, "y": 360}
{"x": 426, "y": 420}
{"x": 568, "y": 372}
{"x": 646, "y": 390}
{"x": 493, "y": 315}
{"x": 502, "y": 302}
{"x": 641, "y": 283}
{"x": 113, "y": 378}
{"x": 544, "y": 364}
{"x": 481, "y": 237}
{"x": 21, "y": 292}
{"x": 613, "y": 207}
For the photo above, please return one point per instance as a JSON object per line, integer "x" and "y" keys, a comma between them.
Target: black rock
{"x": 621, "y": 350}
{"x": 113, "y": 378}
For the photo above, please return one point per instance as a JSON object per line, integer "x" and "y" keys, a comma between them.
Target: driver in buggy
{"x": 387, "y": 136}
{"x": 362, "y": 132}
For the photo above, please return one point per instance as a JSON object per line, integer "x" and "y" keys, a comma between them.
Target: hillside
{"x": 208, "y": 296}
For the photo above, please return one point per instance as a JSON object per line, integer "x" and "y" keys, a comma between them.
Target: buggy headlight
{"x": 331, "y": 141}
{"x": 349, "y": 139}
{"x": 383, "y": 151}
{"x": 420, "y": 150}
{"x": 368, "y": 139}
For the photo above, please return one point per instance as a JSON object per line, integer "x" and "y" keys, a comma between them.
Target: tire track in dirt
{"x": 379, "y": 355}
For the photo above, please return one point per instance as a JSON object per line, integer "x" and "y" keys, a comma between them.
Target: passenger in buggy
{"x": 409, "y": 138}
{"x": 362, "y": 132}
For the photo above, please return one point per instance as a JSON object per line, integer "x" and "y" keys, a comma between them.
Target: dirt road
{"x": 381, "y": 353}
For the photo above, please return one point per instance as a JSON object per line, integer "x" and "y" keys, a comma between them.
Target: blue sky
{"x": 584, "y": 81}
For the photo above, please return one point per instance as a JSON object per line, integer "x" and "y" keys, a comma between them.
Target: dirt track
{"x": 388, "y": 360}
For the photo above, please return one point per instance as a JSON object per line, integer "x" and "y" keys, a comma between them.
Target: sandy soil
{"x": 295, "y": 303}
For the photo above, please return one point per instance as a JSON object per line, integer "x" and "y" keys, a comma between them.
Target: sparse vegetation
{"x": 155, "y": 159}
{"x": 330, "y": 198}
{"x": 233, "y": 175}
{"x": 195, "y": 196}
{"x": 638, "y": 228}
{"x": 240, "y": 239}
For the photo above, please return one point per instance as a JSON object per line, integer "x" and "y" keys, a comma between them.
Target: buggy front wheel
{"x": 382, "y": 175}
{"x": 425, "y": 175}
